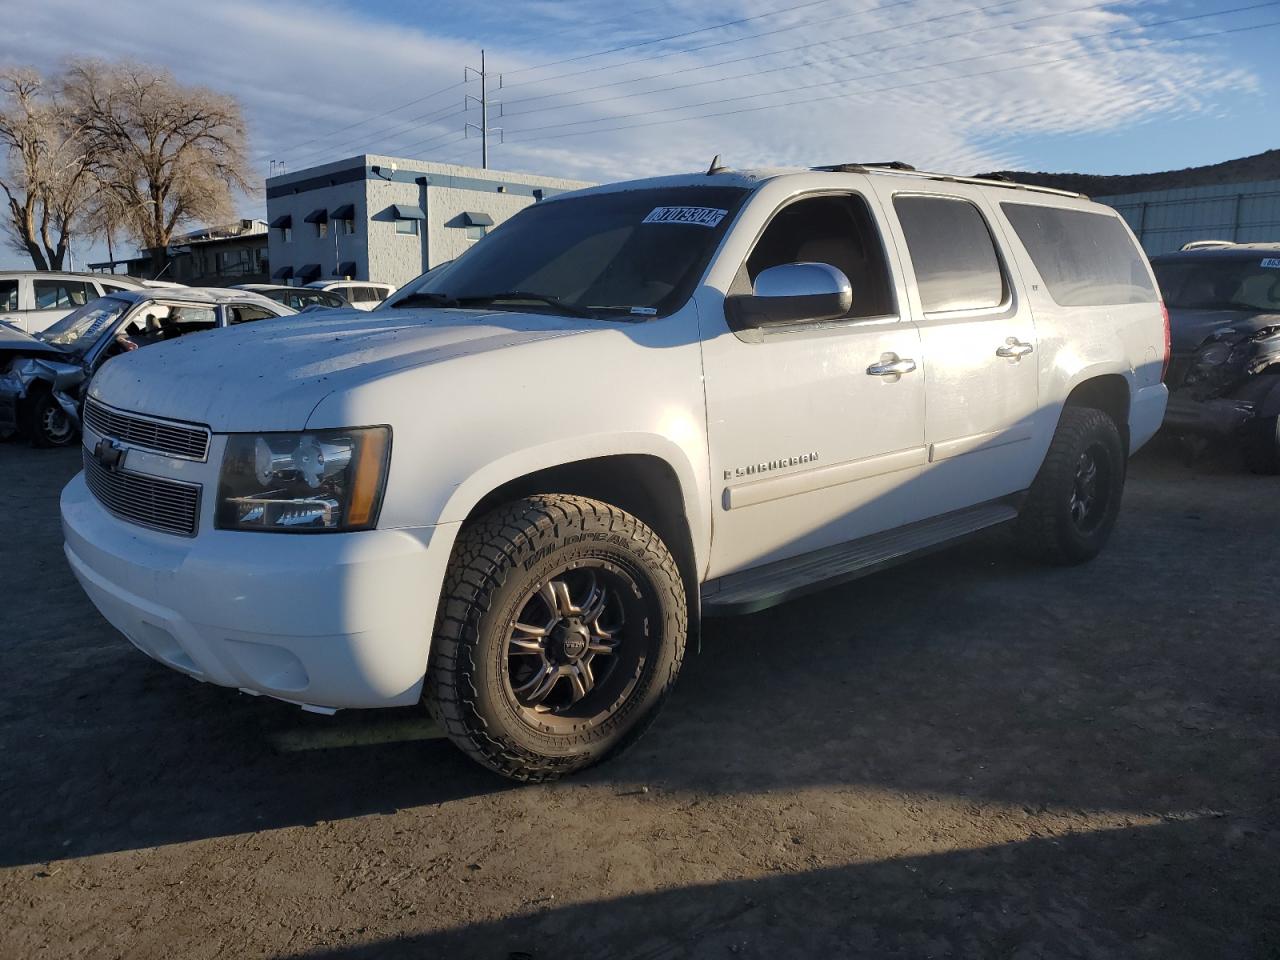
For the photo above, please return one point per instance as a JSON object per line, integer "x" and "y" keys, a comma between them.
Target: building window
{"x": 322, "y": 229}
{"x": 407, "y": 227}
{"x": 349, "y": 227}
{"x": 286, "y": 234}
{"x": 476, "y": 233}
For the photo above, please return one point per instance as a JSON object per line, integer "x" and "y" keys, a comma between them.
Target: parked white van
{"x": 512, "y": 490}
{"x": 34, "y": 300}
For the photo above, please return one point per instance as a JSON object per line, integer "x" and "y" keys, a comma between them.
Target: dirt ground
{"x": 965, "y": 757}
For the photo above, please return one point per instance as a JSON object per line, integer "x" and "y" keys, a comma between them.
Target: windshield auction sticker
{"x": 698, "y": 216}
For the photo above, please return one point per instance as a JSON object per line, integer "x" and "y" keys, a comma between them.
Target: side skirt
{"x": 773, "y": 583}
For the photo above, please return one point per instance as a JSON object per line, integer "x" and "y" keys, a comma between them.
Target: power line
{"x": 810, "y": 63}
{"x": 585, "y": 56}
{"x": 430, "y": 118}
{"x": 376, "y": 116}
{"x": 877, "y": 74}
{"x": 898, "y": 87}
{"x": 674, "y": 36}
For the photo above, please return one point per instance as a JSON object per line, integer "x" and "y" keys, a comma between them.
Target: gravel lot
{"x": 965, "y": 757}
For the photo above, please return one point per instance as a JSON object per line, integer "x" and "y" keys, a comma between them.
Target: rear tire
{"x": 1262, "y": 446}
{"x": 1074, "y": 501}
{"x": 561, "y": 632}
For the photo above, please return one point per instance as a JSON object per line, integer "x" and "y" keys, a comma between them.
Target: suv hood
{"x": 1191, "y": 328}
{"x": 270, "y": 375}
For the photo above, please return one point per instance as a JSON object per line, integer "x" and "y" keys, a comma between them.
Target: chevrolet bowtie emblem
{"x": 109, "y": 454}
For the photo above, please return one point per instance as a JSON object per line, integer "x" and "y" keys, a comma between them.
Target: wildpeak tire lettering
{"x": 545, "y": 551}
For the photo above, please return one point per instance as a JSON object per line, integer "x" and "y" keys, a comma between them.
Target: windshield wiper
{"x": 517, "y": 295}
{"x": 422, "y": 297}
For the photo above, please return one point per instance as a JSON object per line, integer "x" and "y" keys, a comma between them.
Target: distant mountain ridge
{"x": 1262, "y": 166}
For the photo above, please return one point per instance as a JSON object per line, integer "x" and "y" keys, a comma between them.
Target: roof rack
{"x": 898, "y": 168}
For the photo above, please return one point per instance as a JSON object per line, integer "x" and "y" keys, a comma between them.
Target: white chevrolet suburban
{"x": 512, "y": 490}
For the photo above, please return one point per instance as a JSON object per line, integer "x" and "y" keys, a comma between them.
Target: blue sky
{"x": 966, "y": 85}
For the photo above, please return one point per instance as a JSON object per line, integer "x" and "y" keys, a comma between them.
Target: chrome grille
{"x": 161, "y": 436}
{"x": 147, "y": 501}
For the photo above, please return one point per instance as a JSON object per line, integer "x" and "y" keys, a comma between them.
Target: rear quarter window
{"x": 1085, "y": 259}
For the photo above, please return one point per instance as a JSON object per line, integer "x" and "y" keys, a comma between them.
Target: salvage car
{"x": 361, "y": 294}
{"x": 512, "y": 491}
{"x": 297, "y": 298}
{"x": 32, "y": 300}
{"x": 1224, "y": 309}
{"x": 43, "y": 377}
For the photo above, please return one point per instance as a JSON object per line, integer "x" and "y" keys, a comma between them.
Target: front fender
{"x": 513, "y": 466}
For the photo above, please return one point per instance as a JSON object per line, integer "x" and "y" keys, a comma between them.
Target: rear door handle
{"x": 891, "y": 365}
{"x": 1014, "y": 349}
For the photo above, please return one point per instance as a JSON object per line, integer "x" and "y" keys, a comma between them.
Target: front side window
{"x": 626, "y": 252}
{"x": 1214, "y": 283}
{"x": 835, "y": 230}
{"x": 1085, "y": 259}
{"x": 8, "y": 295}
{"x": 409, "y": 227}
{"x": 955, "y": 259}
{"x": 62, "y": 294}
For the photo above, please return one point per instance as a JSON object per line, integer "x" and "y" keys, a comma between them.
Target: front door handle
{"x": 891, "y": 365}
{"x": 1014, "y": 349}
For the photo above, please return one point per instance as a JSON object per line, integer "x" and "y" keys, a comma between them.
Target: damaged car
{"x": 43, "y": 377}
{"x": 1224, "y": 318}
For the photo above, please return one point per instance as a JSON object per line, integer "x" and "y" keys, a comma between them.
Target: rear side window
{"x": 247, "y": 314}
{"x": 1085, "y": 259}
{"x": 8, "y": 294}
{"x": 955, "y": 259}
{"x": 62, "y": 294}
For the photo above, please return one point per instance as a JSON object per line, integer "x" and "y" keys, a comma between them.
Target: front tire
{"x": 49, "y": 425}
{"x": 1074, "y": 501}
{"x": 561, "y": 632}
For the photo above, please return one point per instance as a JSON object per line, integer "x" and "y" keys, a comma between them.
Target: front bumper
{"x": 1218, "y": 417}
{"x": 328, "y": 621}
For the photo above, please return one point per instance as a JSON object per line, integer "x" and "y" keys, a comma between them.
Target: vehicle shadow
{"x": 970, "y": 673}
{"x": 1082, "y": 895}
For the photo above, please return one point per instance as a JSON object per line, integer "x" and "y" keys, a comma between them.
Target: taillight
{"x": 1168, "y": 342}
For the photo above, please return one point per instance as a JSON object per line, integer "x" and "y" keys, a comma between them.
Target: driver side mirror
{"x": 793, "y": 293}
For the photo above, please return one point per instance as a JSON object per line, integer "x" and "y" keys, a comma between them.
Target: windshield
{"x": 79, "y": 330}
{"x": 1221, "y": 284}
{"x": 633, "y": 252}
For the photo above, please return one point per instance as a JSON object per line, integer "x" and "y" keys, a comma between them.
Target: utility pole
{"x": 483, "y": 102}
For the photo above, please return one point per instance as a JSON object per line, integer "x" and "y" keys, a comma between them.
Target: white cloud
{"x": 304, "y": 69}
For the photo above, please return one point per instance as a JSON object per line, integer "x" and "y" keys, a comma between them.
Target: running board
{"x": 774, "y": 583}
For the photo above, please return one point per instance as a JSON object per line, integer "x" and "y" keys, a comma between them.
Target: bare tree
{"x": 165, "y": 154}
{"x": 46, "y": 177}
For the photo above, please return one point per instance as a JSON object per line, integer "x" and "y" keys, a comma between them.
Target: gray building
{"x": 1166, "y": 219}
{"x": 388, "y": 219}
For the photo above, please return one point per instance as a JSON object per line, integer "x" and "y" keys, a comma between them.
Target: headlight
{"x": 318, "y": 481}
